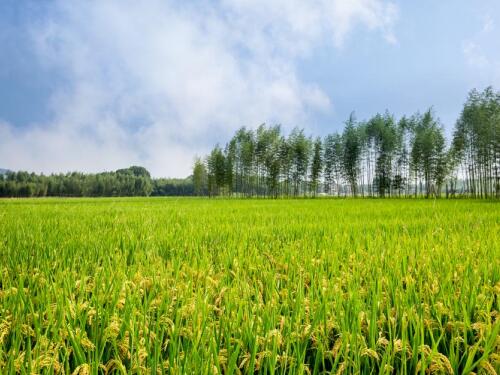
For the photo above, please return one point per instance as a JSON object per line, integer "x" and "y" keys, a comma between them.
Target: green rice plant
{"x": 198, "y": 286}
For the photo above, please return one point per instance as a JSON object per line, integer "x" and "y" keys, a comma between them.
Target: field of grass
{"x": 198, "y": 286}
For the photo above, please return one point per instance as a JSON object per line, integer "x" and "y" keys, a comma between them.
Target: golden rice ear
{"x": 370, "y": 353}
{"x": 341, "y": 369}
{"x": 487, "y": 367}
{"x": 5, "y": 326}
{"x": 82, "y": 370}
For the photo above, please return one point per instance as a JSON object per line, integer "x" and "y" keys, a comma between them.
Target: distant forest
{"x": 129, "y": 182}
{"x": 379, "y": 157}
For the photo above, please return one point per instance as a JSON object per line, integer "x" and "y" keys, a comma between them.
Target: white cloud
{"x": 488, "y": 24}
{"x": 156, "y": 82}
{"x": 474, "y": 55}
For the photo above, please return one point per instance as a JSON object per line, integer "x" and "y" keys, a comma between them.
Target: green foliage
{"x": 135, "y": 171}
{"x": 378, "y": 157}
{"x": 300, "y": 147}
{"x": 316, "y": 164}
{"x": 198, "y": 286}
{"x": 351, "y": 139}
{"x": 216, "y": 167}
{"x": 332, "y": 160}
{"x": 199, "y": 177}
{"x": 428, "y": 154}
{"x": 381, "y": 133}
{"x": 173, "y": 187}
{"x": 133, "y": 181}
{"x": 476, "y": 143}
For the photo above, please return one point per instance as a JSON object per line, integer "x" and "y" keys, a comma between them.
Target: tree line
{"x": 382, "y": 156}
{"x": 132, "y": 181}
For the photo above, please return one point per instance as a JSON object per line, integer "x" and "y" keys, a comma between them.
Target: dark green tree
{"x": 199, "y": 177}
{"x": 316, "y": 165}
{"x": 351, "y": 145}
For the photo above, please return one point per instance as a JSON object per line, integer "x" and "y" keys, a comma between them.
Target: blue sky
{"x": 101, "y": 85}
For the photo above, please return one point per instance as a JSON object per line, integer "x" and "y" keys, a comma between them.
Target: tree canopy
{"x": 380, "y": 157}
{"x": 133, "y": 181}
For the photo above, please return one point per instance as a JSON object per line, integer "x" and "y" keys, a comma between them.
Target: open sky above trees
{"x": 96, "y": 86}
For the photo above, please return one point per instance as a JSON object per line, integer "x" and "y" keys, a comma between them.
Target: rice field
{"x": 198, "y": 286}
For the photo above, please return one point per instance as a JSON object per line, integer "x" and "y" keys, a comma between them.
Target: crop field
{"x": 199, "y": 286}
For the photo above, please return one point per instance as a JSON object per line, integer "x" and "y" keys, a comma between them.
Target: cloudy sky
{"x": 100, "y": 85}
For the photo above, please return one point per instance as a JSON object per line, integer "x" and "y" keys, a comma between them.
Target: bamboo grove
{"x": 380, "y": 157}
